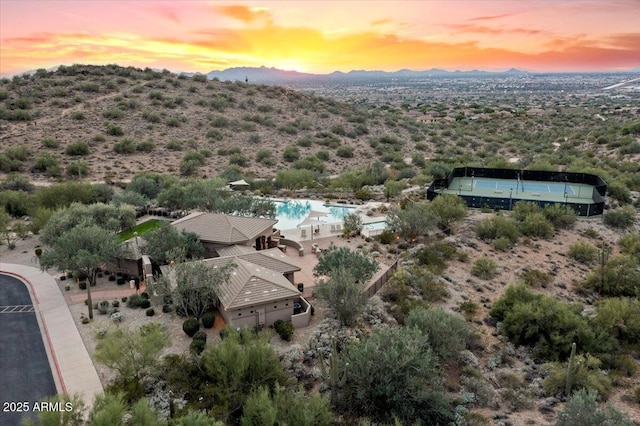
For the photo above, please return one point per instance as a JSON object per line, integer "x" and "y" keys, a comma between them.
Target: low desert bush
{"x": 582, "y": 251}
{"x": 621, "y": 218}
{"x": 484, "y": 268}
{"x": 208, "y": 319}
{"x": 284, "y": 329}
{"x": 190, "y": 326}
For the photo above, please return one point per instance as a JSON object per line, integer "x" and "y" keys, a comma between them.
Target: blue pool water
{"x": 292, "y": 212}
{"x": 376, "y": 226}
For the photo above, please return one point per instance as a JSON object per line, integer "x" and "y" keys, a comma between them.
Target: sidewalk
{"x": 72, "y": 368}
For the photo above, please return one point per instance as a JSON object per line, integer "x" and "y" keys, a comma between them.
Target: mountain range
{"x": 277, "y": 76}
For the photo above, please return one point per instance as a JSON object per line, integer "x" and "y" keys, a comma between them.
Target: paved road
{"x": 25, "y": 374}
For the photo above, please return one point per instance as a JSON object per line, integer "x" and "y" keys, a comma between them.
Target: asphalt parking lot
{"x": 25, "y": 374}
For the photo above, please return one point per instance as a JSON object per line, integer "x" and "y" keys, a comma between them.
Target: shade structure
{"x": 240, "y": 182}
{"x": 311, "y": 222}
{"x": 317, "y": 214}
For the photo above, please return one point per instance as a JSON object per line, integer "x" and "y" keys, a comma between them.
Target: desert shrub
{"x": 125, "y": 146}
{"x": 619, "y": 192}
{"x": 150, "y": 312}
{"x": 484, "y": 268}
{"x": 114, "y": 130}
{"x": 345, "y": 151}
{"x": 145, "y": 146}
{"x": 584, "y": 373}
{"x": 78, "y": 115}
{"x": 536, "y": 278}
{"x": 619, "y": 277}
{"x": 115, "y": 303}
{"x": 120, "y": 281}
{"x": 447, "y": 332}
{"x": 323, "y": 155}
{"x": 50, "y": 142}
{"x": 77, "y": 149}
{"x": 284, "y": 329}
{"x": 561, "y": 216}
{"x": 502, "y": 244}
{"x": 291, "y": 154}
{"x": 197, "y": 346}
{"x": 536, "y": 225}
{"x": 190, "y": 326}
{"x": 112, "y": 113}
{"x": 630, "y": 245}
{"x": 134, "y": 301}
{"x": 208, "y": 319}
{"x": 77, "y": 169}
{"x": 547, "y": 325}
{"x": 385, "y": 237}
{"x": 47, "y": 163}
{"x": 239, "y": 160}
{"x": 621, "y": 218}
{"x": 582, "y": 409}
{"x": 435, "y": 255}
{"x": 166, "y": 308}
{"x": 582, "y": 251}
{"x": 264, "y": 157}
{"x": 497, "y": 227}
{"x": 403, "y": 384}
{"x": 200, "y": 335}
{"x": 145, "y": 303}
{"x": 620, "y": 317}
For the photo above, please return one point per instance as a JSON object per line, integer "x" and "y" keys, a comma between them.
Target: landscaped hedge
{"x": 190, "y": 326}
{"x": 208, "y": 319}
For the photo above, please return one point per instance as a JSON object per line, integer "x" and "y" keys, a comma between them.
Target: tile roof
{"x": 251, "y": 284}
{"x": 224, "y": 229}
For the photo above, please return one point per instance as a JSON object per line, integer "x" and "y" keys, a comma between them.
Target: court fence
{"x": 592, "y": 207}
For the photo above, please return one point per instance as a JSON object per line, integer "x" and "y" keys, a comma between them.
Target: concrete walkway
{"x": 73, "y": 370}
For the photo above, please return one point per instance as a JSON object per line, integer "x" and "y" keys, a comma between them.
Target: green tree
{"x": 285, "y": 407}
{"x": 344, "y": 294}
{"x": 195, "y": 285}
{"x": 392, "y": 188}
{"x": 166, "y": 243}
{"x": 447, "y": 333}
{"x": 108, "y": 410}
{"x": 415, "y": 220}
{"x": 448, "y": 209}
{"x": 71, "y": 414}
{"x": 110, "y": 218}
{"x": 620, "y": 277}
{"x": 133, "y": 354}
{"x": 83, "y": 249}
{"x": 351, "y": 225}
{"x": 403, "y": 383}
{"x": 359, "y": 264}
{"x": 143, "y": 415}
{"x": 239, "y": 364}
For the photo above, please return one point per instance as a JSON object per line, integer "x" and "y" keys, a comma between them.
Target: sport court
{"x": 561, "y": 192}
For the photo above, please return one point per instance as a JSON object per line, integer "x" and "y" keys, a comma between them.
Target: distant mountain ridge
{"x": 274, "y": 75}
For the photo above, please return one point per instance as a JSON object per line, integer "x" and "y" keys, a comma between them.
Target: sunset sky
{"x": 322, "y": 36}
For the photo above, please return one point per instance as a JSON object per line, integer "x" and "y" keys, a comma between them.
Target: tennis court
{"x": 521, "y": 189}
{"x": 503, "y": 188}
{"x": 519, "y": 185}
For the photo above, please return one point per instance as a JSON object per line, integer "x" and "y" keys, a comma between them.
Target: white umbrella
{"x": 311, "y": 222}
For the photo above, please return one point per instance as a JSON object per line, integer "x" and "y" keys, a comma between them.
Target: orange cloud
{"x": 244, "y": 13}
{"x": 256, "y": 38}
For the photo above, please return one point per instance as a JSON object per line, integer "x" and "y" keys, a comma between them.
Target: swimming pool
{"x": 376, "y": 226}
{"x": 291, "y": 213}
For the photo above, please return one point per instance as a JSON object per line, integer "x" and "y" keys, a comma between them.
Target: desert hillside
{"x": 119, "y": 121}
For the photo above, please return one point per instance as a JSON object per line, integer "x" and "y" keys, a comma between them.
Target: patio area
{"x": 310, "y": 259}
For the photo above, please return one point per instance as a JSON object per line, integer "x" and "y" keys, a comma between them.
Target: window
{"x": 239, "y": 314}
{"x": 275, "y": 307}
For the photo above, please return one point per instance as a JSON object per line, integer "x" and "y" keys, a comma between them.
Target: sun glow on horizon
{"x": 322, "y": 36}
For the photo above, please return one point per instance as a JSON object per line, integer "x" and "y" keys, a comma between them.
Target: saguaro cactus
{"x": 336, "y": 377}
{"x": 603, "y": 258}
{"x": 571, "y": 371}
